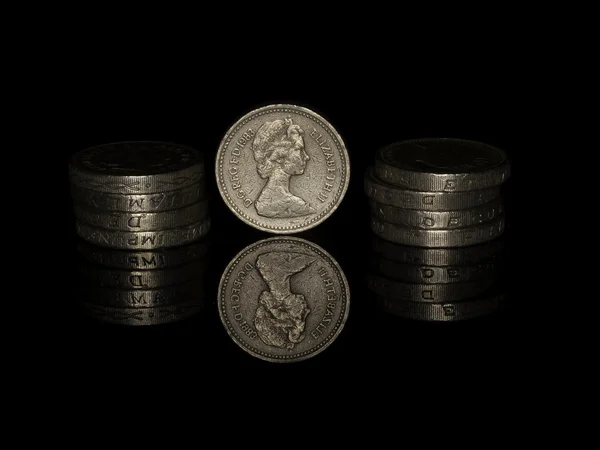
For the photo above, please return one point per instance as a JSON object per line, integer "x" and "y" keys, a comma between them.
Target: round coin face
{"x": 283, "y": 299}
{"x": 136, "y": 167}
{"x": 282, "y": 169}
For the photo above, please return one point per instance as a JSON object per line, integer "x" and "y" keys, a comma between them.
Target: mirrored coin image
{"x": 141, "y": 288}
{"x": 283, "y": 299}
{"x": 282, "y": 169}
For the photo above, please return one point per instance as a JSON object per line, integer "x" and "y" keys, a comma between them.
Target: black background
{"x": 371, "y": 104}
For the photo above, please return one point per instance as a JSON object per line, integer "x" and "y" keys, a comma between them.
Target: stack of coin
{"x": 139, "y": 195}
{"x": 436, "y": 284}
{"x": 142, "y": 288}
{"x": 438, "y": 215}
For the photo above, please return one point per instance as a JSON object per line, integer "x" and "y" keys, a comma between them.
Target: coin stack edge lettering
{"x": 437, "y": 216}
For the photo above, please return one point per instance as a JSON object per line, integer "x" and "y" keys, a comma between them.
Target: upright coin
{"x": 283, "y": 299}
{"x": 136, "y": 167}
{"x": 442, "y": 165}
{"x": 282, "y": 169}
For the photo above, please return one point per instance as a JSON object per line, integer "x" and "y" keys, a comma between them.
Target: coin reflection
{"x": 142, "y": 288}
{"x": 436, "y": 284}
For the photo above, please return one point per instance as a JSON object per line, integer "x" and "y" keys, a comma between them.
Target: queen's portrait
{"x": 278, "y": 149}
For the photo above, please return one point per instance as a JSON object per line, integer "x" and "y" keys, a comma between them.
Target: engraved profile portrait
{"x": 280, "y": 317}
{"x": 278, "y": 149}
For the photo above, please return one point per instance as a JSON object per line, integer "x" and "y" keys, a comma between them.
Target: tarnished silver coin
{"x": 438, "y": 238}
{"x": 430, "y": 293}
{"x": 385, "y": 193}
{"x": 442, "y": 165}
{"x": 158, "y": 315}
{"x": 458, "y": 256}
{"x": 163, "y": 201}
{"x": 429, "y": 220}
{"x": 128, "y": 221}
{"x": 136, "y": 167}
{"x": 282, "y": 169}
{"x": 283, "y": 299}
{"x": 444, "y": 312}
{"x": 154, "y": 259}
{"x": 141, "y": 279}
{"x": 142, "y": 298}
{"x": 413, "y": 273}
{"x": 143, "y": 240}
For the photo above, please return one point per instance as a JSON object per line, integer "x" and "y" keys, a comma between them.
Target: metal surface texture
{"x": 128, "y": 221}
{"x": 458, "y": 256}
{"x": 387, "y": 194}
{"x": 143, "y": 240}
{"x": 413, "y": 273}
{"x": 458, "y": 237}
{"x": 151, "y": 203}
{"x": 136, "y": 167}
{"x": 442, "y": 165}
{"x": 431, "y": 220}
{"x": 444, "y": 312}
{"x": 283, "y": 299}
{"x": 139, "y": 260}
{"x": 282, "y": 169}
{"x": 428, "y": 293}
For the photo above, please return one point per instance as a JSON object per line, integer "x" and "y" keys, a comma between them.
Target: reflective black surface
{"x": 372, "y": 337}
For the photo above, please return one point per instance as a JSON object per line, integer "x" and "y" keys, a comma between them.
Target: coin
{"x": 159, "y": 315}
{"x": 385, "y": 193}
{"x": 438, "y": 238}
{"x": 442, "y": 165}
{"x": 127, "y": 221}
{"x": 444, "y": 312}
{"x": 136, "y": 167}
{"x": 282, "y": 169}
{"x": 413, "y": 273}
{"x": 471, "y": 254}
{"x": 155, "y": 259}
{"x": 430, "y": 293}
{"x": 142, "y": 298}
{"x": 428, "y": 220}
{"x": 141, "y": 279}
{"x": 283, "y": 299}
{"x": 143, "y": 240}
{"x": 162, "y": 201}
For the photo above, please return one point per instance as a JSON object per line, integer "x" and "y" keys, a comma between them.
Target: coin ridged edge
{"x": 309, "y": 114}
{"x": 126, "y": 184}
{"x": 378, "y": 190}
{"x": 203, "y": 228}
{"x": 307, "y": 353}
{"x": 483, "y": 305}
{"x": 436, "y": 238}
{"x": 435, "y": 182}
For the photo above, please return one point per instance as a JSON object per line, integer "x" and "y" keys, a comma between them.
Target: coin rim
{"x": 502, "y": 153}
{"x": 424, "y": 241}
{"x": 263, "y": 242}
{"x": 76, "y": 170}
{"x": 452, "y": 201}
{"x": 221, "y": 179}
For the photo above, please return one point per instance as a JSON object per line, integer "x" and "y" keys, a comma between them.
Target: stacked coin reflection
{"x": 139, "y": 195}
{"x": 438, "y": 217}
{"x": 142, "y": 288}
